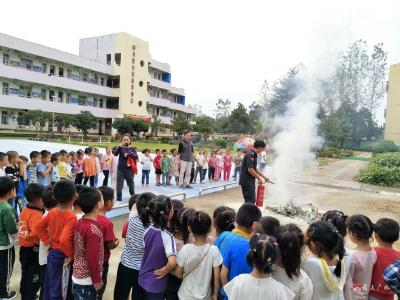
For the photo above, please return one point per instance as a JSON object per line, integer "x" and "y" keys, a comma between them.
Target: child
{"x": 56, "y": 230}
{"x": 146, "y": 161}
{"x": 237, "y": 160}
{"x": 363, "y": 258}
{"x": 32, "y": 169}
{"x": 159, "y": 256}
{"x": 219, "y": 166}
{"x": 3, "y": 163}
{"x": 79, "y": 167}
{"x": 8, "y": 231}
{"x": 89, "y": 247}
{"x": 62, "y": 165}
{"x": 198, "y": 262}
{"x": 227, "y": 165}
{"x": 44, "y": 169}
{"x": 235, "y": 246}
{"x": 71, "y": 166}
{"x": 287, "y": 269}
{"x": 132, "y": 253}
{"x": 106, "y": 227}
{"x": 89, "y": 167}
{"x": 338, "y": 219}
{"x": 212, "y": 163}
{"x": 223, "y": 223}
{"x": 48, "y": 203}
{"x": 174, "y": 169}
{"x": 55, "y": 171}
{"x": 131, "y": 203}
{"x": 107, "y": 164}
{"x": 157, "y": 166}
{"x": 97, "y": 156}
{"x": 268, "y": 225}
{"x": 386, "y": 233}
{"x": 23, "y": 182}
{"x": 205, "y": 165}
{"x": 165, "y": 165}
{"x": 30, "y": 217}
{"x": 391, "y": 276}
{"x": 12, "y": 170}
{"x": 199, "y": 160}
{"x": 259, "y": 283}
{"x": 325, "y": 267}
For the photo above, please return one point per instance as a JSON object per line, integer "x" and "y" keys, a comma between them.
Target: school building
{"x": 392, "y": 115}
{"x": 114, "y": 76}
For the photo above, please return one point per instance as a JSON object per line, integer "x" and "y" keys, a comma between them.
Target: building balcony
{"x": 166, "y": 86}
{"x": 35, "y": 74}
{"x": 165, "y": 120}
{"x": 171, "y": 105}
{"x": 34, "y": 102}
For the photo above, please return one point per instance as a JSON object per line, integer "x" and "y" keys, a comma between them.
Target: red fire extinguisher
{"x": 260, "y": 195}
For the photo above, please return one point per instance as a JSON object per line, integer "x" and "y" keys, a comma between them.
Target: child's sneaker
{"x": 11, "y": 295}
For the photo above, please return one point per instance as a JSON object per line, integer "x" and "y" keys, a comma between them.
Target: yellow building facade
{"x": 392, "y": 126}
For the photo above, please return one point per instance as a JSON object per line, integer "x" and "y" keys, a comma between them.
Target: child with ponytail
{"x": 159, "y": 256}
{"x": 325, "y": 267}
{"x": 363, "y": 258}
{"x": 259, "y": 284}
{"x": 223, "y": 223}
{"x": 287, "y": 269}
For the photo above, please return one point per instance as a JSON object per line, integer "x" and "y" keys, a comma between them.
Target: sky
{"x": 216, "y": 48}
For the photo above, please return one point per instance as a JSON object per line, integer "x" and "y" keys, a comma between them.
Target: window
{"x": 140, "y": 103}
{"x": 108, "y": 59}
{"x": 158, "y": 94}
{"x": 60, "y": 96}
{"x": 84, "y": 77}
{"x": 158, "y": 111}
{"x": 61, "y": 72}
{"x": 101, "y": 80}
{"x": 4, "y": 117}
{"x": 117, "y": 58}
{"x": 25, "y": 91}
{"x": 51, "y": 96}
{"x": 95, "y": 102}
{"x": 101, "y": 103}
{"x": 69, "y": 73}
{"x": 43, "y": 94}
{"x": 44, "y": 67}
{"x": 140, "y": 83}
{"x": 52, "y": 70}
{"x": 142, "y": 63}
{"x": 26, "y": 63}
{"x": 20, "y": 118}
{"x": 81, "y": 100}
{"x": 95, "y": 78}
{"x": 6, "y": 58}
{"x": 5, "y": 90}
{"x": 67, "y": 98}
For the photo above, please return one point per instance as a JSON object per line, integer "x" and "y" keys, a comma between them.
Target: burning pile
{"x": 308, "y": 212}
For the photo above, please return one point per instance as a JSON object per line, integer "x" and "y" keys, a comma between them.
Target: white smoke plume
{"x": 294, "y": 149}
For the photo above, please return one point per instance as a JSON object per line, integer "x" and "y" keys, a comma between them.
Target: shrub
{"x": 384, "y": 170}
{"x": 385, "y": 146}
{"x": 221, "y": 143}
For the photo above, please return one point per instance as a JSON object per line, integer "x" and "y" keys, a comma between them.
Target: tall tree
{"x": 180, "y": 124}
{"x": 65, "y": 121}
{"x": 223, "y": 108}
{"x": 139, "y": 126}
{"x": 123, "y": 126}
{"x": 155, "y": 125}
{"x": 84, "y": 121}
{"x": 37, "y": 118}
{"x": 239, "y": 120}
{"x": 205, "y": 125}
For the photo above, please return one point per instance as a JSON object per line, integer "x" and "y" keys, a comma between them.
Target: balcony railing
{"x": 40, "y": 69}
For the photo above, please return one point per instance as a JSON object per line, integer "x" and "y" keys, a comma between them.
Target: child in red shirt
{"x": 386, "y": 233}
{"x": 89, "y": 247}
{"x": 30, "y": 217}
{"x": 106, "y": 227}
{"x": 56, "y": 230}
{"x": 157, "y": 166}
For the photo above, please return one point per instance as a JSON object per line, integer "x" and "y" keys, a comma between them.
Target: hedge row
{"x": 383, "y": 170}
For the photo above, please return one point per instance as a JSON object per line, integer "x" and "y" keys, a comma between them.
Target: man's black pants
{"x": 249, "y": 193}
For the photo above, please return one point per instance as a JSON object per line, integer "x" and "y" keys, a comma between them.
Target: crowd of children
{"x": 171, "y": 252}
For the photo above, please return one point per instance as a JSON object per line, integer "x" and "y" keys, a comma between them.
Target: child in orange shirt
{"x": 30, "y": 217}
{"x": 56, "y": 230}
{"x": 89, "y": 167}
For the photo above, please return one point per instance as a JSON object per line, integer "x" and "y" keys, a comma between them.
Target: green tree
{"x": 139, "y": 126}
{"x": 65, "y": 121}
{"x": 239, "y": 120}
{"x": 85, "y": 121}
{"x": 38, "y": 119}
{"x": 123, "y": 126}
{"x": 155, "y": 125}
{"x": 223, "y": 108}
{"x": 205, "y": 125}
{"x": 180, "y": 124}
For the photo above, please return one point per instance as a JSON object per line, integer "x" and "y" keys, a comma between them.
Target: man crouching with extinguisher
{"x": 249, "y": 172}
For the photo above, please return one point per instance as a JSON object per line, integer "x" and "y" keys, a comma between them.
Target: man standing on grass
{"x": 185, "y": 151}
{"x": 249, "y": 172}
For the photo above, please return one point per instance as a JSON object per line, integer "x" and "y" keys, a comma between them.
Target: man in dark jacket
{"x": 185, "y": 151}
